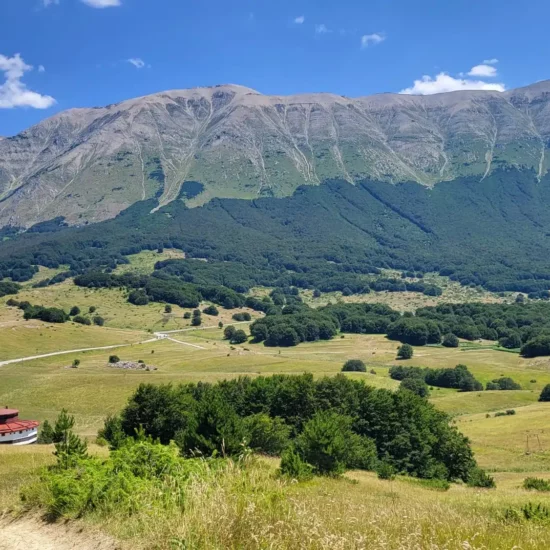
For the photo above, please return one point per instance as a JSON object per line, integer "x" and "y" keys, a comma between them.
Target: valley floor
{"x": 256, "y": 509}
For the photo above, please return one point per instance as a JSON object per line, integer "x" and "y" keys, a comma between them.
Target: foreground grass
{"x": 250, "y": 507}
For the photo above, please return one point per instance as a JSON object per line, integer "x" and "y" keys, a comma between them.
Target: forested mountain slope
{"x": 494, "y": 233}
{"x": 89, "y": 164}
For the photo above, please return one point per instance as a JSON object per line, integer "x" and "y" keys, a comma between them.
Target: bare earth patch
{"x": 31, "y": 533}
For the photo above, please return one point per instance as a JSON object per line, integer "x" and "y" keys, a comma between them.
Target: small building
{"x": 14, "y": 431}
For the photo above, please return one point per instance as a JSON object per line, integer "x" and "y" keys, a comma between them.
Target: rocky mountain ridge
{"x": 89, "y": 164}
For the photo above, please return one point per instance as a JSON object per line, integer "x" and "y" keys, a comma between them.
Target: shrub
{"x": 405, "y": 351}
{"x": 528, "y": 512}
{"x": 138, "y": 298}
{"x": 416, "y": 385}
{"x": 545, "y": 393}
{"x": 450, "y": 341}
{"x": 76, "y": 362}
{"x": 82, "y": 320}
{"x": 114, "y": 359}
{"x": 92, "y": 309}
{"x": 99, "y": 321}
{"x": 196, "y": 321}
{"x": 536, "y": 484}
{"x": 239, "y": 337}
{"x": 244, "y": 316}
{"x": 167, "y": 308}
{"x": 211, "y": 310}
{"x": 479, "y": 478}
{"x": 75, "y": 310}
{"x": 503, "y": 383}
{"x": 229, "y": 331}
{"x": 354, "y": 365}
{"x": 187, "y": 315}
{"x": 46, "y": 433}
{"x": 112, "y": 432}
{"x": 294, "y": 467}
{"x": 385, "y": 470}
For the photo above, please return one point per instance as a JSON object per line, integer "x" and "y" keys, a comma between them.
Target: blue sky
{"x": 94, "y": 52}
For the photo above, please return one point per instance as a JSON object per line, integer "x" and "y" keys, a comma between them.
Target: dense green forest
{"x": 303, "y": 416}
{"x": 326, "y": 237}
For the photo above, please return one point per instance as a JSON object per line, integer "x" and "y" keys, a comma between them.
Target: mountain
{"x": 233, "y": 142}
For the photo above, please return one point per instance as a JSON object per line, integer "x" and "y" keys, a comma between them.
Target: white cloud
{"x": 13, "y": 92}
{"x": 444, "y": 82}
{"x": 137, "y": 62}
{"x": 102, "y": 3}
{"x": 487, "y": 71}
{"x": 299, "y": 20}
{"x": 492, "y": 61}
{"x": 41, "y": 69}
{"x": 375, "y": 38}
{"x": 322, "y": 29}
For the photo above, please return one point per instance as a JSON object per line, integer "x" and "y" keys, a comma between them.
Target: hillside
{"x": 233, "y": 142}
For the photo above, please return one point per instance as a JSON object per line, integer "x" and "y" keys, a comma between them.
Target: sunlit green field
{"x": 363, "y": 512}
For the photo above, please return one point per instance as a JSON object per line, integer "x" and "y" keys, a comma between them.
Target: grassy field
{"x": 255, "y": 509}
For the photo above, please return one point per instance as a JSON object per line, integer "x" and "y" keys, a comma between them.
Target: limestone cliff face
{"x": 89, "y": 164}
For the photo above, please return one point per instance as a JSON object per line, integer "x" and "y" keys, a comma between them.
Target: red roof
{"x": 9, "y": 412}
{"x": 19, "y": 425}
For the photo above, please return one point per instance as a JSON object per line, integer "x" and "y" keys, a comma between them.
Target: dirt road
{"x": 31, "y": 533}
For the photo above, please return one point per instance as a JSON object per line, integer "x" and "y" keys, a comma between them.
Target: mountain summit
{"x": 89, "y": 164}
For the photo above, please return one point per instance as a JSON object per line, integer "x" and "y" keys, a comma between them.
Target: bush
{"x": 450, "y": 341}
{"x": 416, "y": 385}
{"x": 75, "y": 310}
{"x": 385, "y": 470}
{"x": 503, "y": 383}
{"x": 82, "y": 320}
{"x": 138, "y": 298}
{"x": 92, "y": 309}
{"x": 229, "y": 331}
{"x": 354, "y": 365}
{"x": 239, "y": 337}
{"x": 187, "y": 315}
{"x": 211, "y": 310}
{"x": 293, "y": 467}
{"x": 167, "y": 308}
{"x": 46, "y": 433}
{"x": 244, "y": 316}
{"x": 479, "y": 478}
{"x": 196, "y": 321}
{"x": 114, "y": 359}
{"x": 536, "y": 484}
{"x": 405, "y": 351}
{"x": 99, "y": 321}
{"x": 545, "y": 393}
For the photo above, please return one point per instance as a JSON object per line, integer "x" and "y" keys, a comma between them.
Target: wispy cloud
{"x": 137, "y": 62}
{"x": 372, "y": 39}
{"x": 484, "y": 71}
{"x": 13, "y": 92}
{"x": 444, "y": 82}
{"x": 102, "y": 3}
{"x": 47, "y": 3}
{"x": 299, "y": 20}
{"x": 322, "y": 29}
{"x": 41, "y": 69}
{"x": 492, "y": 61}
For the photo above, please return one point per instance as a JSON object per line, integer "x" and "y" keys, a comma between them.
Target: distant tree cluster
{"x": 503, "y": 383}
{"x": 459, "y": 377}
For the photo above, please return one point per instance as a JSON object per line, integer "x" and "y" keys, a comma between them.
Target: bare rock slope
{"x": 89, "y": 164}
